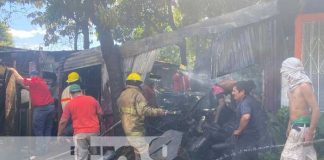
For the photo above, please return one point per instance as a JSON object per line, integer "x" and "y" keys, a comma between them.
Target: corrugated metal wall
{"x": 240, "y": 48}
{"x": 142, "y": 63}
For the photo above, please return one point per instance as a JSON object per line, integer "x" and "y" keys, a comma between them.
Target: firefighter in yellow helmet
{"x": 133, "y": 107}
{"x": 73, "y": 78}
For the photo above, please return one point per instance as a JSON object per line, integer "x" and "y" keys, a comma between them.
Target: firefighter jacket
{"x": 133, "y": 108}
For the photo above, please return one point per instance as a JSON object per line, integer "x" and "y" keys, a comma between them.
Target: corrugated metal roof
{"x": 83, "y": 59}
{"x": 142, "y": 63}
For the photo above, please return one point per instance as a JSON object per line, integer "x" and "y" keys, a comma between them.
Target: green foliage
{"x": 149, "y": 15}
{"x": 277, "y": 127}
{"x": 61, "y": 19}
{"x": 191, "y": 52}
{"x": 320, "y": 135}
{"x": 138, "y": 33}
{"x": 177, "y": 16}
{"x": 5, "y": 36}
{"x": 170, "y": 54}
{"x": 279, "y": 124}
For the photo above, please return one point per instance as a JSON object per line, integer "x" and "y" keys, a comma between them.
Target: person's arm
{"x": 63, "y": 122}
{"x": 62, "y": 125}
{"x": 99, "y": 110}
{"x": 312, "y": 103}
{"x": 143, "y": 109}
{"x": 244, "y": 121}
{"x": 18, "y": 77}
{"x": 245, "y": 111}
{"x": 221, "y": 105}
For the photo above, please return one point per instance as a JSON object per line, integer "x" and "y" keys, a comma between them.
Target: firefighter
{"x": 133, "y": 109}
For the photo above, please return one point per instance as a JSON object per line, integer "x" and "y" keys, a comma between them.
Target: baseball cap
{"x": 75, "y": 88}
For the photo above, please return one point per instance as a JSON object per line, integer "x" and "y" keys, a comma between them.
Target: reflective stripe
{"x": 128, "y": 110}
{"x": 65, "y": 99}
{"x": 135, "y": 134}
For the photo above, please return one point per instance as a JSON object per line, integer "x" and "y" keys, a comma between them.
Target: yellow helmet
{"x": 134, "y": 77}
{"x": 72, "y": 77}
{"x": 182, "y": 67}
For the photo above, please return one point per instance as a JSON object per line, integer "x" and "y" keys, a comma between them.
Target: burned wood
{"x": 10, "y": 107}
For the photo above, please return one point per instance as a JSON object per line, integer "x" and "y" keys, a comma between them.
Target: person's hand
{"x": 62, "y": 140}
{"x": 11, "y": 69}
{"x": 309, "y": 137}
{"x": 59, "y": 139}
{"x": 237, "y": 133}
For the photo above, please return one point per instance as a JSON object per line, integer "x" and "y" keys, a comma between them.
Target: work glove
{"x": 172, "y": 112}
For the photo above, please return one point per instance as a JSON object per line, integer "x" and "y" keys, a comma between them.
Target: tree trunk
{"x": 110, "y": 53}
{"x": 85, "y": 32}
{"x": 113, "y": 62}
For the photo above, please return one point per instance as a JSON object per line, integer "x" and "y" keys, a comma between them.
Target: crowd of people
{"x": 82, "y": 113}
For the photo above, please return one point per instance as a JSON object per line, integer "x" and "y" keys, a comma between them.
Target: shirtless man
{"x": 304, "y": 112}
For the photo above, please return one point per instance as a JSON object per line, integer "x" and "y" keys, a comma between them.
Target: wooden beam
{"x": 239, "y": 18}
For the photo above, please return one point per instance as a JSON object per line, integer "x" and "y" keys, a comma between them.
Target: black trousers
{"x": 245, "y": 148}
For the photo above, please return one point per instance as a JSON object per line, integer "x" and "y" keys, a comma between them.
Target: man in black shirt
{"x": 247, "y": 133}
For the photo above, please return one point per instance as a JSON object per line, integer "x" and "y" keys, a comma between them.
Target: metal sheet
{"x": 237, "y": 19}
{"x": 83, "y": 59}
{"x": 142, "y": 63}
{"x": 240, "y": 48}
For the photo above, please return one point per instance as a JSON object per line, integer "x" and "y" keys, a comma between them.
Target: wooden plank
{"x": 239, "y": 18}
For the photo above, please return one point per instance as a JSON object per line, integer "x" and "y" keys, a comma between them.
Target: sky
{"x": 28, "y": 36}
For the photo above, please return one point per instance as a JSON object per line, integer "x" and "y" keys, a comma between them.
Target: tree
{"x": 63, "y": 18}
{"x": 5, "y": 36}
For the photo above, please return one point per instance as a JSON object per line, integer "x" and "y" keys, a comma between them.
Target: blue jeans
{"x": 43, "y": 118}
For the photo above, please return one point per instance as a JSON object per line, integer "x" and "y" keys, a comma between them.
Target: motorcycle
{"x": 202, "y": 139}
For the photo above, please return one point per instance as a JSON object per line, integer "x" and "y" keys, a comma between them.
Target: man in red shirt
{"x": 43, "y": 106}
{"x": 84, "y": 112}
{"x": 41, "y": 100}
